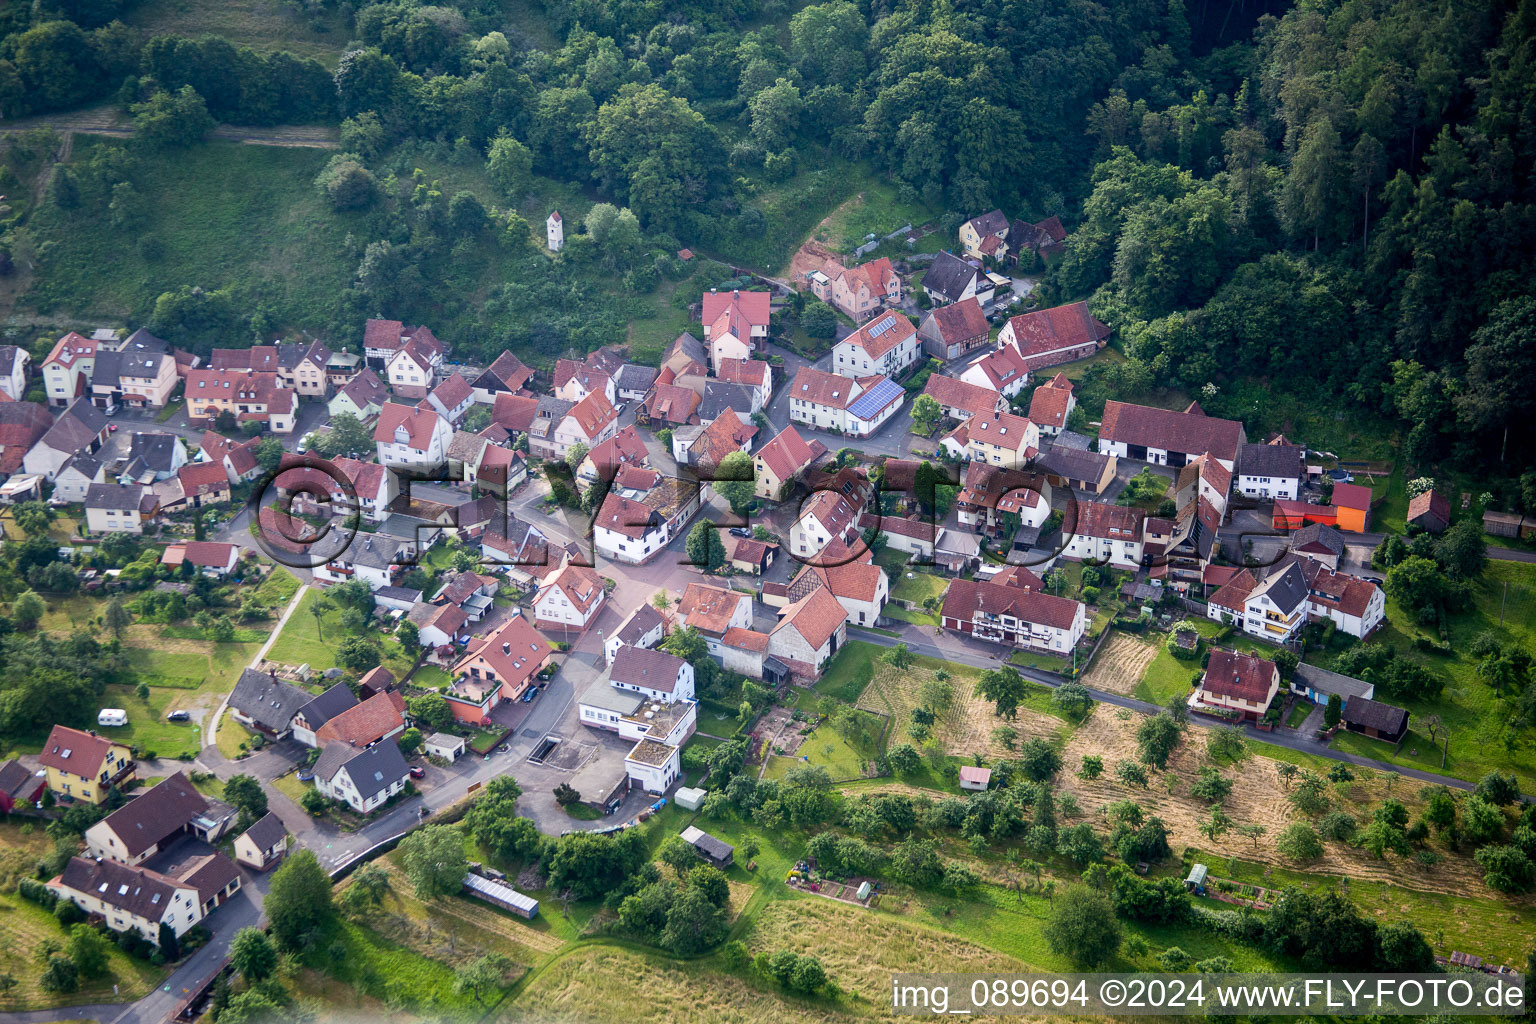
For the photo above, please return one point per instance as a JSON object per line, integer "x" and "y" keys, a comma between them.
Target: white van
{"x": 111, "y": 716}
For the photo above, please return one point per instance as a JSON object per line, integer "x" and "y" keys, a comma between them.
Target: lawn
{"x": 916, "y": 585}
{"x": 826, "y": 747}
{"x": 430, "y": 677}
{"x": 290, "y": 786}
{"x": 304, "y": 641}
{"x": 849, "y": 672}
{"x": 876, "y": 209}
{"x": 26, "y": 926}
{"x": 230, "y": 736}
{"x": 1299, "y": 712}
{"x": 223, "y": 214}
{"x": 279, "y": 587}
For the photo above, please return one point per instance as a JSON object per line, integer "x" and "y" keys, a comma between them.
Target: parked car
{"x": 418, "y": 772}
{"x": 111, "y": 428}
{"x": 179, "y": 716}
{"x": 533, "y": 691}
{"x": 740, "y": 531}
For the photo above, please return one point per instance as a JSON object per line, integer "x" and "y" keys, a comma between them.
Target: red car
{"x": 418, "y": 772}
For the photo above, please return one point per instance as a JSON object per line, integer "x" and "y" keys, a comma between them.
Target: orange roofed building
{"x": 499, "y": 668}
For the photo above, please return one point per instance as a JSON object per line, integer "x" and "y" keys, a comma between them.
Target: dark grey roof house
{"x": 950, "y": 278}
{"x": 266, "y": 703}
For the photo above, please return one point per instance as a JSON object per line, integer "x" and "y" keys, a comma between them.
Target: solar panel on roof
{"x": 881, "y": 327}
{"x": 875, "y": 399}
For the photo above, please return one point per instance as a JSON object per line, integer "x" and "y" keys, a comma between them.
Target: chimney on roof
{"x": 506, "y": 648}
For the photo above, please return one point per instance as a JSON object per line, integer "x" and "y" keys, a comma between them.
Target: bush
{"x": 68, "y": 912}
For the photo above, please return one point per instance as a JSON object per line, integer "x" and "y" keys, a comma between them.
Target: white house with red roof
{"x": 856, "y": 406}
{"x": 1002, "y": 440}
{"x": 859, "y": 585}
{"x": 887, "y": 345}
{"x": 248, "y": 395}
{"x": 554, "y": 232}
{"x": 570, "y": 600}
{"x": 1240, "y": 683}
{"x": 1049, "y": 337}
{"x": 754, "y": 373}
{"x": 714, "y": 612}
{"x": 362, "y": 396}
{"x": 575, "y": 381}
{"x": 603, "y": 461}
{"x": 383, "y": 338}
{"x": 1101, "y": 532}
{"x": 412, "y": 369}
{"x": 452, "y": 398}
{"x": 411, "y": 437}
{"x": 1002, "y": 614}
{"x": 67, "y": 370}
{"x": 960, "y": 400}
{"x": 734, "y": 323}
{"x": 827, "y": 516}
{"x": 1165, "y": 437}
{"x": 1002, "y": 370}
{"x": 1051, "y": 405}
{"x": 809, "y": 632}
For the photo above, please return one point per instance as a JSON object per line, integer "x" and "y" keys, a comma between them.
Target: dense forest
{"x": 1333, "y": 199}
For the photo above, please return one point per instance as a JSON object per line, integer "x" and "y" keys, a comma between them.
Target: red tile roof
{"x": 454, "y": 391}
{"x": 855, "y": 580}
{"x": 1002, "y": 429}
{"x": 74, "y": 751}
{"x": 203, "y": 478}
{"x": 514, "y": 412}
{"x": 1051, "y": 401}
{"x": 965, "y": 598}
{"x": 209, "y": 554}
{"x": 419, "y": 425}
{"x": 873, "y": 274}
{"x": 1233, "y": 594}
{"x": 1431, "y": 502}
{"x": 367, "y": 722}
{"x": 593, "y": 413}
{"x": 671, "y": 403}
{"x": 884, "y": 331}
{"x": 581, "y": 586}
{"x": 632, "y": 519}
{"x": 515, "y": 651}
{"x": 708, "y": 609}
{"x": 789, "y": 453}
{"x": 745, "y": 639}
{"x": 22, "y": 425}
{"x": 510, "y": 371}
{"x": 1188, "y": 432}
{"x": 753, "y": 307}
{"x": 1057, "y": 328}
{"x": 1103, "y": 520}
{"x": 1352, "y": 496}
{"x": 961, "y": 321}
{"x": 953, "y": 393}
{"x": 625, "y": 448}
{"x": 382, "y": 334}
{"x": 821, "y": 388}
{"x": 725, "y": 434}
{"x": 70, "y": 348}
{"x": 1003, "y": 367}
{"x": 1240, "y": 676}
{"x": 816, "y": 617}
{"x": 754, "y": 372}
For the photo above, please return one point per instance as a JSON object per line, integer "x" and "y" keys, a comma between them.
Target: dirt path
{"x": 1119, "y": 666}
{"x": 109, "y": 120}
{"x": 812, "y": 255}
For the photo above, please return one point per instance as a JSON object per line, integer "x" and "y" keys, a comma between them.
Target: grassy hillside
{"x": 214, "y": 215}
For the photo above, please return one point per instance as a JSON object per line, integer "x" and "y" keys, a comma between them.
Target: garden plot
{"x": 966, "y": 728}
{"x": 1120, "y": 663}
{"x": 1259, "y": 797}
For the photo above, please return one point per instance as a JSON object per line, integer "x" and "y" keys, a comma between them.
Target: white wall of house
{"x": 1288, "y": 488}
{"x": 1124, "y": 554}
{"x": 654, "y": 778}
{"x": 342, "y": 787}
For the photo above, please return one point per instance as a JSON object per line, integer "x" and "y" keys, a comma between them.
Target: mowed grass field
{"x": 304, "y": 641}
{"x": 27, "y": 926}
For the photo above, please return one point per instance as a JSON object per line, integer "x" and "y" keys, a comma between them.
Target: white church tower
{"x": 554, "y": 230}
